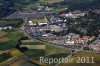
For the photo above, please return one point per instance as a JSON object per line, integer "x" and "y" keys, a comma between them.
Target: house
{"x": 69, "y": 42}
{"x": 31, "y": 23}
{"x": 9, "y": 27}
{"x": 42, "y": 23}
{"x": 1, "y": 29}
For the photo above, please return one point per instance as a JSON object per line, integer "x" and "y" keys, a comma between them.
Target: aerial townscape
{"x": 49, "y": 32}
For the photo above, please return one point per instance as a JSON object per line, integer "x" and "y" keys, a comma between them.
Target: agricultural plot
{"x": 9, "y": 39}
{"x": 51, "y": 0}
{"x": 2, "y": 33}
{"x": 14, "y": 23}
{"x": 23, "y": 63}
{"x": 4, "y": 57}
{"x": 31, "y": 42}
{"x": 41, "y": 49}
{"x": 34, "y": 46}
{"x": 35, "y": 53}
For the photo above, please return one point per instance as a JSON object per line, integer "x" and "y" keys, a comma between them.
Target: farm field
{"x": 23, "y": 63}
{"x": 49, "y": 50}
{"x": 35, "y": 53}
{"x": 9, "y": 38}
{"x": 9, "y": 56}
{"x": 4, "y": 57}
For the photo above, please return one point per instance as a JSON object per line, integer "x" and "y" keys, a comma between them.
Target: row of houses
{"x": 74, "y": 14}
{"x": 5, "y": 28}
{"x": 76, "y": 39}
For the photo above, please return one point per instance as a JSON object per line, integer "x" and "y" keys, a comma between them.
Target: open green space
{"x": 50, "y": 0}
{"x": 7, "y": 22}
{"x": 81, "y": 54}
{"x": 35, "y": 53}
{"x": 4, "y": 57}
{"x": 12, "y": 39}
{"x": 50, "y": 49}
{"x": 28, "y": 42}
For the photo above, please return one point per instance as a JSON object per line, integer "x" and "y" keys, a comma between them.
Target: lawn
{"x": 49, "y": 50}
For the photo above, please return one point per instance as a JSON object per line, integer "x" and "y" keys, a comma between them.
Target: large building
{"x": 95, "y": 45}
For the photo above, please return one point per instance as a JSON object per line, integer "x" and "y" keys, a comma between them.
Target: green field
{"x": 31, "y": 42}
{"x": 14, "y": 23}
{"x": 4, "y": 57}
{"x": 27, "y": 7}
{"x": 50, "y": 49}
{"x": 50, "y": 0}
{"x": 35, "y": 53}
{"x": 12, "y": 36}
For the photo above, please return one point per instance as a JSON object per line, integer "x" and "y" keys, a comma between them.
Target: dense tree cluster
{"x": 87, "y": 25}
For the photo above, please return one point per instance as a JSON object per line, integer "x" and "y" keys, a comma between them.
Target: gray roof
{"x": 21, "y": 15}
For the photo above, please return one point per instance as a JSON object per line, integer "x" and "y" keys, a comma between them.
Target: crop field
{"x": 4, "y": 40}
{"x": 49, "y": 49}
{"x": 9, "y": 39}
{"x": 2, "y": 33}
{"x": 31, "y": 42}
{"x": 35, "y": 52}
{"x": 34, "y": 46}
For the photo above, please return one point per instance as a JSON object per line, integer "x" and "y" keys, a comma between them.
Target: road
{"x": 30, "y": 37}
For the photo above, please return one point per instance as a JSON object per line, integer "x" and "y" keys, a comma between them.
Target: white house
{"x": 70, "y": 43}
